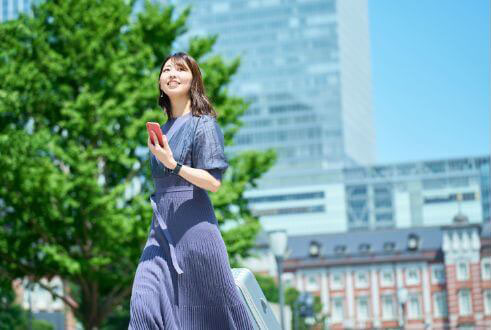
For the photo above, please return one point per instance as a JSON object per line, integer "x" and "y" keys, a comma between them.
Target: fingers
{"x": 150, "y": 144}
{"x": 164, "y": 139}
{"x": 157, "y": 144}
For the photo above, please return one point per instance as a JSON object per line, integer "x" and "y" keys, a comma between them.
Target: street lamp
{"x": 277, "y": 242}
{"x": 402, "y": 298}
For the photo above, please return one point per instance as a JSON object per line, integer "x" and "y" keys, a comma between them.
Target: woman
{"x": 183, "y": 280}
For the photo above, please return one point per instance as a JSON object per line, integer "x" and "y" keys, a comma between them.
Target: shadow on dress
{"x": 162, "y": 251}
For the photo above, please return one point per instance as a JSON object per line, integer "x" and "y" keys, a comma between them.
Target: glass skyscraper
{"x": 306, "y": 68}
{"x": 10, "y": 9}
{"x": 400, "y": 195}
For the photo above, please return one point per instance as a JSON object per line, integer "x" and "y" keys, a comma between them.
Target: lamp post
{"x": 402, "y": 299}
{"x": 278, "y": 243}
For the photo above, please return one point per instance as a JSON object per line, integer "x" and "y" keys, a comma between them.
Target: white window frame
{"x": 358, "y": 309}
{"x": 486, "y": 295}
{"x": 383, "y": 281}
{"x": 309, "y": 286}
{"x": 460, "y": 295}
{"x": 436, "y": 311}
{"x": 358, "y": 283}
{"x": 484, "y": 275}
{"x": 337, "y": 318}
{"x": 288, "y": 279}
{"x": 334, "y": 284}
{"x": 434, "y": 278}
{"x": 460, "y": 275}
{"x": 410, "y": 313}
{"x": 392, "y": 315}
{"x": 410, "y": 281}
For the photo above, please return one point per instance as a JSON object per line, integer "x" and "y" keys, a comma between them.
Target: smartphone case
{"x": 253, "y": 297}
{"x": 155, "y": 127}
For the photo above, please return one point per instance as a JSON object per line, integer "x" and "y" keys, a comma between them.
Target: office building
{"x": 306, "y": 69}
{"x": 10, "y": 9}
{"x": 401, "y": 195}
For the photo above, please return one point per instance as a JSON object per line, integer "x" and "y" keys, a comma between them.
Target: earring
{"x": 161, "y": 94}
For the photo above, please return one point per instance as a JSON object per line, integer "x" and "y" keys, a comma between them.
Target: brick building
{"x": 420, "y": 277}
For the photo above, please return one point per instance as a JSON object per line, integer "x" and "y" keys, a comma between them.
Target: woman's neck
{"x": 180, "y": 106}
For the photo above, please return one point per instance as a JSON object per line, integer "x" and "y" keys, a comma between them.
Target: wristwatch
{"x": 176, "y": 169}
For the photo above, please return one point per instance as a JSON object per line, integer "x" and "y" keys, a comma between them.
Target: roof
{"x": 430, "y": 238}
{"x": 362, "y": 245}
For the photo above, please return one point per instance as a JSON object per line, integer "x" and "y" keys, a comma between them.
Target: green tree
{"x": 79, "y": 81}
{"x": 270, "y": 290}
{"x": 269, "y": 287}
{"x": 12, "y": 317}
{"x": 291, "y": 297}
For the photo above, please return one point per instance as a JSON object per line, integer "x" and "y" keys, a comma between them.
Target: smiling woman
{"x": 184, "y": 279}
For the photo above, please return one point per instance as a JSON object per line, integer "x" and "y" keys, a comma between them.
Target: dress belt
{"x": 164, "y": 228}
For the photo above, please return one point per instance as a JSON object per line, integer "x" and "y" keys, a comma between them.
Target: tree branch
{"x": 114, "y": 299}
{"x": 66, "y": 299}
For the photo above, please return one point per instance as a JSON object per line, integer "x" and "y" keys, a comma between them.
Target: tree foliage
{"x": 79, "y": 81}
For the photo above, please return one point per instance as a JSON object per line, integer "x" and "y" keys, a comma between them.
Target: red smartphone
{"x": 155, "y": 127}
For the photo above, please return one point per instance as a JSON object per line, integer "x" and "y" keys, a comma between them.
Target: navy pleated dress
{"x": 183, "y": 279}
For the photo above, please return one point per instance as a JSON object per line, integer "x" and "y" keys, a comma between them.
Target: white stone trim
{"x": 426, "y": 295}
{"x": 350, "y": 297}
{"x": 375, "y": 304}
{"x": 324, "y": 292}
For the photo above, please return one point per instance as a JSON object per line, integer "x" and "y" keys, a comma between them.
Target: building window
{"x": 412, "y": 276}
{"x": 487, "y": 302}
{"x": 486, "y": 268}
{"x": 314, "y": 249}
{"x": 413, "y": 242}
{"x": 312, "y": 283}
{"x": 361, "y": 279}
{"x": 438, "y": 274}
{"x": 389, "y": 246}
{"x": 387, "y": 277}
{"x": 337, "y": 280}
{"x": 414, "y": 306}
{"x": 337, "y": 309}
{"x": 364, "y": 248}
{"x": 340, "y": 249}
{"x": 462, "y": 270}
{"x": 465, "y": 304}
{"x": 388, "y": 311}
{"x": 287, "y": 279}
{"x": 440, "y": 304}
{"x": 362, "y": 308}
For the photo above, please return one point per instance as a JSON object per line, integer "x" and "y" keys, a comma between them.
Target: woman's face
{"x": 175, "y": 79}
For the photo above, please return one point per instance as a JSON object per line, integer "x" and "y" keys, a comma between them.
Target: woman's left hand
{"x": 163, "y": 154}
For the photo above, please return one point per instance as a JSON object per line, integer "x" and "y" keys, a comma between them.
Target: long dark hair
{"x": 200, "y": 104}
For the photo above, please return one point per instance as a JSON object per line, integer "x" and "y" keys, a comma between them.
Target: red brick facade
{"x": 424, "y": 291}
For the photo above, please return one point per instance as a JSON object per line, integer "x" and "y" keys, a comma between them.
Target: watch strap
{"x": 176, "y": 169}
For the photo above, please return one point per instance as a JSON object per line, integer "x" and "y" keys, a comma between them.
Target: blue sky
{"x": 430, "y": 78}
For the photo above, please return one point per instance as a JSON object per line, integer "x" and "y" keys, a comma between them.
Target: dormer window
{"x": 340, "y": 249}
{"x": 364, "y": 247}
{"x": 413, "y": 242}
{"x": 314, "y": 249}
{"x": 389, "y": 246}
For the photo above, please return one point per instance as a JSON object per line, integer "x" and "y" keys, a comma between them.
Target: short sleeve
{"x": 209, "y": 147}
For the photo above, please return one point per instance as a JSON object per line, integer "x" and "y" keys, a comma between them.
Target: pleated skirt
{"x": 204, "y": 295}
